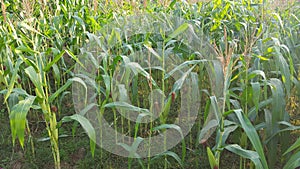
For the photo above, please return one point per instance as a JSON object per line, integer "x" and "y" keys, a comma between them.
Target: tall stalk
{"x": 227, "y": 66}
{"x": 51, "y": 122}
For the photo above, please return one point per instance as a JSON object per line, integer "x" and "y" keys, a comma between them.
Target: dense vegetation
{"x": 249, "y": 88}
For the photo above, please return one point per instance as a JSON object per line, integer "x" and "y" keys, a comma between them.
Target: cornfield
{"x": 150, "y": 84}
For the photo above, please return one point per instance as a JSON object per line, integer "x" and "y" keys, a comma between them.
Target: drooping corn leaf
{"x": 289, "y": 127}
{"x": 18, "y": 118}
{"x": 176, "y": 127}
{"x": 87, "y": 126}
{"x": 36, "y": 80}
{"x": 252, "y": 155}
{"x": 211, "y": 122}
{"x": 168, "y": 153}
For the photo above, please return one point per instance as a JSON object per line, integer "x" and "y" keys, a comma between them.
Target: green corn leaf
{"x": 138, "y": 121}
{"x": 253, "y": 136}
{"x": 56, "y": 72}
{"x": 106, "y": 79}
{"x": 65, "y": 86}
{"x": 24, "y": 48}
{"x": 126, "y": 106}
{"x": 18, "y": 118}
{"x": 212, "y": 120}
{"x": 13, "y": 79}
{"x": 211, "y": 158}
{"x": 227, "y": 131}
{"x": 279, "y": 19}
{"x": 30, "y": 28}
{"x": 179, "y": 83}
{"x": 81, "y": 22}
{"x": 264, "y": 103}
{"x": 133, "y": 148}
{"x": 184, "y": 65}
{"x": 176, "y": 127}
{"x": 74, "y": 57}
{"x": 177, "y": 32}
{"x": 277, "y": 114}
{"x": 289, "y": 127}
{"x": 114, "y": 38}
{"x": 18, "y": 91}
{"x": 207, "y": 130}
{"x": 278, "y": 104}
{"x": 61, "y": 89}
{"x": 123, "y": 93}
{"x": 252, "y": 155}
{"x": 153, "y": 52}
{"x": 36, "y": 80}
{"x": 29, "y": 62}
{"x": 171, "y": 154}
{"x": 87, "y": 109}
{"x": 293, "y": 147}
{"x": 56, "y": 59}
{"x": 87, "y": 126}
{"x": 166, "y": 109}
{"x": 216, "y": 76}
{"x": 256, "y": 94}
{"x": 169, "y": 126}
{"x": 13, "y": 99}
{"x": 207, "y": 108}
{"x": 293, "y": 162}
{"x": 284, "y": 68}
{"x": 136, "y": 68}
{"x": 140, "y": 118}
{"x": 256, "y": 73}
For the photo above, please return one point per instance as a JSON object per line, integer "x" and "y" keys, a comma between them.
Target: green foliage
{"x": 247, "y": 86}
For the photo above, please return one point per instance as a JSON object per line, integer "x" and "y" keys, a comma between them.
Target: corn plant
{"x": 253, "y": 86}
{"x": 30, "y": 60}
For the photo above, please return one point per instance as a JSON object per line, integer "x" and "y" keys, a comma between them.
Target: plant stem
{"x": 222, "y": 120}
